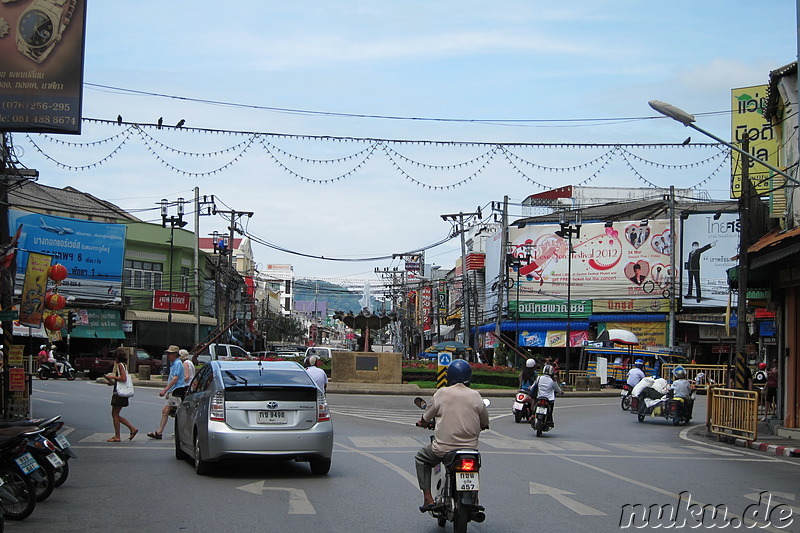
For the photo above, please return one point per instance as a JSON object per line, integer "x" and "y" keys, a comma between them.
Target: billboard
{"x": 92, "y": 252}
{"x": 41, "y": 65}
{"x": 709, "y": 244}
{"x": 747, "y": 118}
{"x": 620, "y": 260}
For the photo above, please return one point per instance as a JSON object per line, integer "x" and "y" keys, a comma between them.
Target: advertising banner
{"x": 16, "y": 355}
{"x": 180, "y": 300}
{"x": 747, "y": 118}
{"x": 92, "y": 252}
{"x": 41, "y": 65}
{"x": 425, "y": 306}
{"x": 619, "y": 260}
{"x": 648, "y": 333}
{"x": 16, "y": 379}
{"x": 709, "y": 243}
{"x": 34, "y": 288}
{"x": 551, "y": 309}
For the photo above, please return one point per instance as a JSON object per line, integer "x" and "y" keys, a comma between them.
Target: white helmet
{"x": 530, "y": 363}
{"x": 548, "y": 369}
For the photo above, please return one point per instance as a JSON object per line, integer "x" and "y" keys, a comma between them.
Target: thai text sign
{"x": 92, "y": 252}
{"x": 709, "y": 244}
{"x": 623, "y": 260}
{"x": 41, "y": 65}
{"x": 16, "y": 379}
{"x": 180, "y": 300}
{"x": 551, "y": 308}
{"x": 747, "y": 119}
{"x": 16, "y": 355}
{"x": 34, "y": 287}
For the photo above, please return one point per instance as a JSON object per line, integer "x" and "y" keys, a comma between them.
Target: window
{"x": 184, "y": 279}
{"x": 142, "y": 275}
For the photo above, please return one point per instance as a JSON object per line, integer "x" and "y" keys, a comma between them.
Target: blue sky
{"x": 456, "y": 60}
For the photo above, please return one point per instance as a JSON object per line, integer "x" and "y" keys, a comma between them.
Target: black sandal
{"x": 154, "y": 435}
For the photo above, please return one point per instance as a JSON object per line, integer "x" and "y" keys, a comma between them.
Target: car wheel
{"x": 179, "y": 453}
{"x": 201, "y": 468}
{"x": 320, "y": 467}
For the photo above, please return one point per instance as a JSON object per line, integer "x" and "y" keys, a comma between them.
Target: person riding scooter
{"x": 682, "y": 388}
{"x": 636, "y": 374}
{"x": 546, "y": 387}
{"x": 528, "y": 374}
{"x": 459, "y": 415}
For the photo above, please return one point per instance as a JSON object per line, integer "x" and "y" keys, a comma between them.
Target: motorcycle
{"x": 677, "y": 409}
{"x": 457, "y": 480}
{"x": 626, "y": 397}
{"x": 542, "y": 422}
{"x": 523, "y": 406}
{"x": 19, "y": 473}
{"x": 50, "y": 370}
{"x": 54, "y": 447}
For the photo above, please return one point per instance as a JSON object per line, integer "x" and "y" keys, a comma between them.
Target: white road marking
{"x": 756, "y": 497}
{"x": 649, "y": 448}
{"x": 46, "y": 401}
{"x": 298, "y": 500}
{"x": 577, "y": 446}
{"x": 385, "y": 442}
{"x": 713, "y": 451}
{"x": 684, "y": 434}
{"x": 560, "y": 496}
{"x": 411, "y": 478}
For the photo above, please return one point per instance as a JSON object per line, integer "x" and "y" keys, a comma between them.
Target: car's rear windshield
{"x": 266, "y": 376}
{"x": 264, "y": 394}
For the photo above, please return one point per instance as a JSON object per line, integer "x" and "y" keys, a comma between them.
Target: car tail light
{"x": 217, "y": 410}
{"x": 468, "y": 464}
{"x": 323, "y": 411}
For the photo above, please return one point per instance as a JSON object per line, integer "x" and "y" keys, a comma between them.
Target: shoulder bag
{"x": 125, "y": 388}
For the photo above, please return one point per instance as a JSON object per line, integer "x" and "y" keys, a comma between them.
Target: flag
{"x": 8, "y": 251}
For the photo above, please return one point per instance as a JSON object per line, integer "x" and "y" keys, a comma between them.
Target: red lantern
{"x": 57, "y": 272}
{"x": 54, "y": 322}
{"x": 54, "y": 301}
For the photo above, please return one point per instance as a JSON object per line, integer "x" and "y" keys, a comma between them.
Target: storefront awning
{"x": 160, "y": 316}
{"x": 535, "y": 325}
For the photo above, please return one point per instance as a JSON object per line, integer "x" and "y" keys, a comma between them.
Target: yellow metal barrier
{"x": 714, "y": 375}
{"x": 575, "y": 374}
{"x": 733, "y": 412}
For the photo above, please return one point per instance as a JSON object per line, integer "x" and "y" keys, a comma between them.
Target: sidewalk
{"x": 405, "y": 389}
{"x": 772, "y": 439}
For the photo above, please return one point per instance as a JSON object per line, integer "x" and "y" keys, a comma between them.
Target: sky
{"x": 335, "y": 183}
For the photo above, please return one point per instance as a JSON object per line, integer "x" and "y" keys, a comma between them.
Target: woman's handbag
{"x": 125, "y": 388}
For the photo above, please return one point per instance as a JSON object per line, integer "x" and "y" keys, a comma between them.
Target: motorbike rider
{"x": 43, "y": 359}
{"x": 528, "y": 374}
{"x": 459, "y": 415}
{"x": 682, "y": 388}
{"x": 546, "y": 387}
{"x": 636, "y": 374}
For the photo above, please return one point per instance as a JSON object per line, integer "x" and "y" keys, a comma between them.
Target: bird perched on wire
{"x": 119, "y": 119}
{"x": 160, "y": 122}
{"x": 687, "y": 141}
{"x": 180, "y": 123}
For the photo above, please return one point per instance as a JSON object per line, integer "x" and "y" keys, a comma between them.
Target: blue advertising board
{"x": 92, "y": 252}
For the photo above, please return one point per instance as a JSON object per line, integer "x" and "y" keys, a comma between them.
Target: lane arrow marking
{"x": 298, "y": 501}
{"x": 560, "y": 496}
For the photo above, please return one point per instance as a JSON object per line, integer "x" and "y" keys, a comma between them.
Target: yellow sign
{"x": 648, "y": 333}
{"x": 16, "y": 355}
{"x": 747, "y": 118}
{"x": 33, "y": 290}
{"x": 630, "y": 305}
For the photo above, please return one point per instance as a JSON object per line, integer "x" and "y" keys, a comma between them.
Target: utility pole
{"x": 198, "y": 204}
{"x": 179, "y": 222}
{"x": 458, "y": 219}
{"x": 741, "y": 300}
{"x": 501, "y": 283}
{"x": 231, "y": 229}
{"x": 672, "y": 288}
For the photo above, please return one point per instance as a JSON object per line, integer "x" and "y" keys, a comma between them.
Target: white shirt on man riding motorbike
{"x": 635, "y": 375}
{"x": 546, "y": 387}
{"x": 682, "y": 388}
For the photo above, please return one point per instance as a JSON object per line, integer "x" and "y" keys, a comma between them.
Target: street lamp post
{"x": 568, "y": 231}
{"x": 173, "y": 221}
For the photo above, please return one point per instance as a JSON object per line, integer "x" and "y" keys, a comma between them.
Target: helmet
{"x": 639, "y": 363}
{"x": 459, "y": 371}
{"x": 679, "y": 373}
{"x": 762, "y": 366}
{"x": 548, "y": 369}
{"x": 530, "y": 363}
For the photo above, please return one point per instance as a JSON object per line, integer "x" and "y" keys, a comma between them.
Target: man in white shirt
{"x": 636, "y": 374}
{"x": 317, "y": 374}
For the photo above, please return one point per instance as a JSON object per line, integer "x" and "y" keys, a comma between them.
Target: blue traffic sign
{"x": 444, "y": 359}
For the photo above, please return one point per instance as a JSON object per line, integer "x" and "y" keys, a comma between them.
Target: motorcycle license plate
{"x": 62, "y": 442}
{"x": 467, "y": 481}
{"x": 55, "y": 460}
{"x": 518, "y": 406}
{"x": 624, "y": 393}
{"x": 272, "y": 417}
{"x": 541, "y": 410}
{"x": 26, "y": 463}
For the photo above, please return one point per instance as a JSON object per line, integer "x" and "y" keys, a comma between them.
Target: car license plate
{"x": 55, "y": 460}
{"x": 62, "y": 441}
{"x": 518, "y": 406}
{"x": 26, "y": 463}
{"x": 541, "y": 410}
{"x": 467, "y": 481}
{"x": 271, "y": 417}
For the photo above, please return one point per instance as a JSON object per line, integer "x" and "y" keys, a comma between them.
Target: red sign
{"x": 16, "y": 379}
{"x": 180, "y": 300}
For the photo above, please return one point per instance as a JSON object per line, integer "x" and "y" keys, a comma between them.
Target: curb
{"x": 759, "y": 446}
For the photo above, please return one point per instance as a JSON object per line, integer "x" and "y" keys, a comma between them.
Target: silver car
{"x": 264, "y": 409}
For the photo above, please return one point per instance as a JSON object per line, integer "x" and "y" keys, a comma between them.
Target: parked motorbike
{"x": 523, "y": 406}
{"x": 677, "y": 409}
{"x": 626, "y": 397}
{"x": 50, "y": 370}
{"x": 18, "y": 473}
{"x": 457, "y": 480}
{"x": 50, "y": 443}
{"x": 542, "y": 421}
